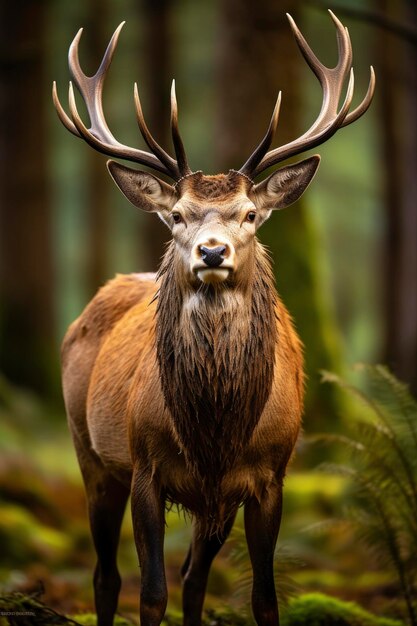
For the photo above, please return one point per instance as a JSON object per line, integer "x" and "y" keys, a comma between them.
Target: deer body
{"x": 123, "y": 415}
{"x": 121, "y": 420}
{"x": 187, "y": 387}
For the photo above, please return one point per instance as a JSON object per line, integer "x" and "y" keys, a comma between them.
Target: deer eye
{"x": 176, "y": 217}
{"x": 251, "y": 217}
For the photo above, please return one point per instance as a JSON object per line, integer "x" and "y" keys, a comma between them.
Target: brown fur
{"x": 219, "y": 377}
{"x": 222, "y": 186}
{"x": 186, "y": 390}
{"x": 216, "y": 373}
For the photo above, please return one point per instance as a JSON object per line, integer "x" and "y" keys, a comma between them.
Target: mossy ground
{"x": 314, "y": 609}
{"x": 318, "y": 609}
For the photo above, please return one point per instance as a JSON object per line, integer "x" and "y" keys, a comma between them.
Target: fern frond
{"x": 383, "y": 474}
{"x": 395, "y": 396}
{"x": 382, "y": 456}
{"x": 331, "y": 524}
{"x": 399, "y": 407}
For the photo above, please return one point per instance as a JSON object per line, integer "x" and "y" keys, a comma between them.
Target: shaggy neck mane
{"x": 216, "y": 358}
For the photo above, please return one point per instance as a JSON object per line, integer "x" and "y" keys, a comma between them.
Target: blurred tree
{"x": 157, "y": 51}
{"x": 257, "y": 46}
{"x": 398, "y": 87}
{"x": 97, "y": 200}
{"x": 26, "y": 277}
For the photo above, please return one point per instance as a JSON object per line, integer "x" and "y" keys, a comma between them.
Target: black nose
{"x": 213, "y": 257}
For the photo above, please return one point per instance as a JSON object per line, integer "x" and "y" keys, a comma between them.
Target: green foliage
{"x": 23, "y": 537}
{"x": 317, "y": 609}
{"x": 42, "y": 516}
{"x": 383, "y": 471}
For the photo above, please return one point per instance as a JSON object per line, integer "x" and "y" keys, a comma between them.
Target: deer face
{"x": 214, "y": 219}
{"x": 213, "y": 225}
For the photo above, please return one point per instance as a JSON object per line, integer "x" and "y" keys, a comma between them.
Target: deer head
{"x": 213, "y": 219}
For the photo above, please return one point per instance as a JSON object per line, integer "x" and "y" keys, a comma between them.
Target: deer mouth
{"x": 212, "y": 275}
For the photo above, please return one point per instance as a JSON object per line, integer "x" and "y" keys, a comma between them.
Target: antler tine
{"x": 307, "y": 141}
{"x": 91, "y": 87}
{"x": 99, "y": 135}
{"x": 331, "y": 79}
{"x": 314, "y": 63}
{"x": 365, "y": 104}
{"x": 344, "y": 45}
{"x": 265, "y": 144}
{"x": 163, "y": 156}
{"x": 114, "y": 148}
{"x": 183, "y": 166}
{"x": 329, "y": 119}
{"x": 69, "y": 124}
{"x": 108, "y": 56}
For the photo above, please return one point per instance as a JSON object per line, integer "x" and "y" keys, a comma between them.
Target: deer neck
{"x": 216, "y": 358}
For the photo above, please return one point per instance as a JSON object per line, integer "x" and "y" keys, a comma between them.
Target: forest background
{"x": 345, "y": 255}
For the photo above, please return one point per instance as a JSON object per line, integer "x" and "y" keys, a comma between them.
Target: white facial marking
{"x": 211, "y": 275}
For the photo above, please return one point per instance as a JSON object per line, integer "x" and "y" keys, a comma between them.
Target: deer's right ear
{"x": 145, "y": 191}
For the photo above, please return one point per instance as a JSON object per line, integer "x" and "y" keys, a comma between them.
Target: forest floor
{"x": 45, "y": 542}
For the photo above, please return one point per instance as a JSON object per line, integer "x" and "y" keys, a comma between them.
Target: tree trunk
{"x": 258, "y": 55}
{"x": 157, "y": 71}
{"x": 26, "y": 278}
{"x": 97, "y": 190}
{"x": 398, "y": 97}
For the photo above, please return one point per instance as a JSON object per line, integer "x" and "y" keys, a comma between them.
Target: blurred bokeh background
{"x": 345, "y": 255}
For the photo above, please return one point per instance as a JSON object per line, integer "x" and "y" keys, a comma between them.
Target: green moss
{"x": 317, "y": 609}
{"x": 322, "y": 579}
{"x": 90, "y": 619}
{"x": 173, "y": 618}
{"x": 23, "y": 537}
{"x": 226, "y": 617}
{"x": 19, "y": 609}
{"x": 313, "y": 609}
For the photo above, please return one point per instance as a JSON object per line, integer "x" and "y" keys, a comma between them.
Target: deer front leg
{"x": 262, "y": 522}
{"x": 196, "y": 569}
{"x": 148, "y": 515}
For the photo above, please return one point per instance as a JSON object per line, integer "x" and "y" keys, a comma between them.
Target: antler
{"x": 329, "y": 119}
{"x": 99, "y": 135}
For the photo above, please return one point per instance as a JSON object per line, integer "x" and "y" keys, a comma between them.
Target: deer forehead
{"x": 219, "y": 209}
{"x": 222, "y": 197}
{"x": 214, "y": 187}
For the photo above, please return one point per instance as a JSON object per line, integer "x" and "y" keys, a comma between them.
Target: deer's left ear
{"x": 286, "y": 185}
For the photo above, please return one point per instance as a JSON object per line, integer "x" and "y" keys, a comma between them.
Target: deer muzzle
{"x": 212, "y": 259}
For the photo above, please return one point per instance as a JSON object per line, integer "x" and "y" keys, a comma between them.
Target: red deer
{"x": 186, "y": 387}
